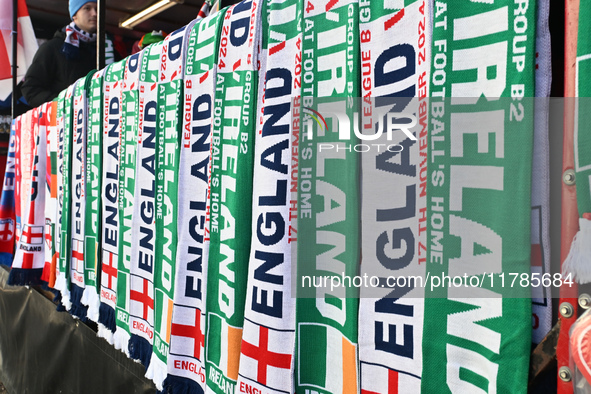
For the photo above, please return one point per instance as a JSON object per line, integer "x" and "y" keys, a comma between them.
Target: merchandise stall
{"x": 317, "y": 196}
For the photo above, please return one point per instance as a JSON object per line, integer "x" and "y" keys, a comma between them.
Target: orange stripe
{"x": 234, "y": 342}
{"x": 53, "y": 114}
{"x": 52, "y": 269}
{"x": 349, "y": 367}
{"x": 53, "y": 186}
{"x": 169, "y": 320}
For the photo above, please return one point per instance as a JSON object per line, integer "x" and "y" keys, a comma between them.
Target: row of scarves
{"x": 180, "y": 186}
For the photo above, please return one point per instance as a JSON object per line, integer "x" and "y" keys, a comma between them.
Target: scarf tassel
{"x": 23, "y": 277}
{"x": 179, "y": 385}
{"x": 578, "y": 261}
{"x": 121, "y": 340}
{"x": 107, "y": 317}
{"x": 140, "y": 349}
{"x": 91, "y": 299}
{"x": 78, "y": 309}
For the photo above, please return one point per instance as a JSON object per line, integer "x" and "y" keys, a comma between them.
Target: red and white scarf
{"x": 7, "y": 201}
{"x": 29, "y": 258}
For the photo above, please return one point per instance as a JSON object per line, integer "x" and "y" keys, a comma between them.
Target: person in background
{"x": 147, "y": 39}
{"x": 68, "y": 56}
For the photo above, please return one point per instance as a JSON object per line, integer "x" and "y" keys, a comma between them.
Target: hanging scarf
{"x": 268, "y": 338}
{"x": 109, "y": 198}
{"x": 328, "y": 182}
{"x": 63, "y": 208}
{"x": 231, "y": 192}
{"x": 29, "y": 257}
{"x": 170, "y": 92}
{"x": 50, "y": 119}
{"x": 479, "y": 198}
{"x": 186, "y": 360}
{"x": 577, "y": 261}
{"x": 540, "y": 192}
{"x": 143, "y": 233}
{"x": 93, "y": 197}
{"x": 74, "y": 35}
{"x": 7, "y": 201}
{"x": 78, "y": 196}
{"x": 129, "y": 127}
{"x": 393, "y": 227}
{"x": 24, "y": 162}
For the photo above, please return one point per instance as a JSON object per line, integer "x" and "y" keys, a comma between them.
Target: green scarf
{"x": 62, "y": 283}
{"x": 328, "y": 182}
{"x": 231, "y": 193}
{"x": 93, "y": 197}
{"x": 170, "y": 91}
{"x": 479, "y": 198}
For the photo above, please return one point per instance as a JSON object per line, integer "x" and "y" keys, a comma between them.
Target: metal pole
{"x": 569, "y": 212}
{"x": 14, "y": 53}
{"x": 100, "y": 34}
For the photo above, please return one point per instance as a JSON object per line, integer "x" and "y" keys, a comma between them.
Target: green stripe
{"x": 313, "y": 369}
{"x": 485, "y": 342}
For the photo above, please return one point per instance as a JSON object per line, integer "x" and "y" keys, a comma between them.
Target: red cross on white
{"x": 32, "y": 235}
{"x": 48, "y": 235}
{"x": 265, "y": 358}
{"x": 109, "y": 270}
{"x": 6, "y": 230}
{"x": 78, "y": 255}
{"x": 144, "y": 298}
{"x": 192, "y": 331}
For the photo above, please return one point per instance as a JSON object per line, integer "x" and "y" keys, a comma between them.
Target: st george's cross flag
{"x": 186, "y": 361}
{"x": 141, "y": 283}
{"x": 168, "y": 132}
{"x": 395, "y": 48}
{"x": 376, "y": 379}
{"x": 112, "y": 85}
{"x": 29, "y": 257}
{"x": 26, "y": 44}
{"x": 266, "y": 360}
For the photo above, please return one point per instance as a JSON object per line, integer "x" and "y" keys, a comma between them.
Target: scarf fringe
{"x": 121, "y": 340}
{"x": 78, "y": 309}
{"x": 157, "y": 371}
{"x": 105, "y": 333}
{"x": 22, "y": 277}
{"x": 178, "y": 385}
{"x": 107, "y": 317}
{"x": 140, "y": 349}
{"x": 578, "y": 261}
{"x": 62, "y": 286}
{"x": 91, "y": 299}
